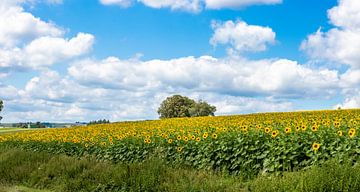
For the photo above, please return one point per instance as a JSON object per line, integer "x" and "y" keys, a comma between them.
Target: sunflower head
{"x": 214, "y": 136}
{"x": 351, "y": 132}
{"x": 267, "y": 130}
{"x": 303, "y": 127}
{"x": 340, "y": 133}
{"x": 205, "y": 135}
{"x": 314, "y": 128}
{"x": 274, "y": 133}
{"x": 170, "y": 141}
{"x": 179, "y": 149}
{"x": 287, "y": 130}
{"x": 316, "y": 146}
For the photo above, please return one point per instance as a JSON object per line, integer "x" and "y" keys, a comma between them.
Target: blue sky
{"x": 81, "y": 60}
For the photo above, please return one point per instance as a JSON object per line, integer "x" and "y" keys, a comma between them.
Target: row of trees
{"x": 29, "y": 125}
{"x": 101, "y": 121}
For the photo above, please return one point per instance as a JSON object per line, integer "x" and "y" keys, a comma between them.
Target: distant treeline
{"x": 101, "y": 121}
{"x": 29, "y": 125}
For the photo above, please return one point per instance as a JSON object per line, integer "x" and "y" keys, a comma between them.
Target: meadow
{"x": 243, "y": 151}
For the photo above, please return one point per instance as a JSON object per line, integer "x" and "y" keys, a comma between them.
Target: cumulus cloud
{"x": 52, "y": 97}
{"x": 339, "y": 44}
{"x": 191, "y": 5}
{"x": 219, "y": 4}
{"x": 279, "y": 78}
{"x": 45, "y": 51}
{"x": 241, "y": 36}
{"x": 352, "y": 99}
{"x": 122, "y": 3}
{"x": 188, "y": 5}
{"x": 29, "y": 42}
{"x": 17, "y": 26}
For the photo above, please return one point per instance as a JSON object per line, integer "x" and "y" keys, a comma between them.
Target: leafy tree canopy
{"x": 1, "y": 107}
{"x": 181, "y": 106}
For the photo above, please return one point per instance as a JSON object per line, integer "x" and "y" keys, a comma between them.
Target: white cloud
{"x": 339, "y": 44}
{"x": 17, "y": 26}
{"x": 279, "y": 78}
{"x": 188, "y": 5}
{"x": 52, "y": 97}
{"x": 219, "y": 4}
{"x": 191, "y": 5}
{"x": 8, "y": 92}
{"x": 241, "y": 36}
{"x": 352, "y": 100}
{"x": 122, "y": 3}
{"x": 336, "y": 45}
{"x": 346, "y": 14}
{"x": 351, "y": 79}
{"x": 45, "y": 51}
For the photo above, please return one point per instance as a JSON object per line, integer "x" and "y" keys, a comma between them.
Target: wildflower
{"x": 214, "y": 135}
{"x": 315, "y": 146}
{"x": 274, "y": 133}
{"x": 179, "y": 149}
{"x": 287, "y": 130}
{"x": 314, "y": 128}
{"x": 205, "y": 135}
{"x": 351, "y": 132}
{"x": 340, "y": 133}
{"x": 267, "y": 130}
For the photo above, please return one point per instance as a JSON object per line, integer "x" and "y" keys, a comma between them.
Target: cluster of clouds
{"x": 29, "y": 42}
{"x": 123, "y": 89}
{"x": 191, "y": 5}
{"x": 340, "y": 45}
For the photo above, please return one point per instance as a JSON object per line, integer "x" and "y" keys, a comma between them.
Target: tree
{"x": 202, "y": 108}
{"x": 1, "y": 107}
{"x": 181, "y": 106}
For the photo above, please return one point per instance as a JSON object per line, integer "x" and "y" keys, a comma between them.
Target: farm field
{"x": 245, "y": 146}
{"x": 13, "y": 130}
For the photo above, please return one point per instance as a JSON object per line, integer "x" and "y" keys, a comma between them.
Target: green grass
{"x": 14, "y": 130}
{"x": 20, "y": 189}
{"x": 42, "y": 172}
{"x": 62, "y": 173}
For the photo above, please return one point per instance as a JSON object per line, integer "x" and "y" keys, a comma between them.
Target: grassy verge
{"x": 20, "y": 189}
{"x": 63, "y": 173}
{"x": 46, "y": 172}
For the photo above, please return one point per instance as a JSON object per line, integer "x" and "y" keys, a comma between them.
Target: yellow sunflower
{"x": 315, "y": 146}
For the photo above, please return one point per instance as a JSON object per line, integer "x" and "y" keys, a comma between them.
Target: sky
{"x": 82, "y": 60}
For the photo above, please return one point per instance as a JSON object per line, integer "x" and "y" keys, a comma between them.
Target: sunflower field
{"x": 243, "y": 144}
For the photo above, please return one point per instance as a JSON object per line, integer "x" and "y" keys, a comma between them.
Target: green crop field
{"x": 293, "y": 151}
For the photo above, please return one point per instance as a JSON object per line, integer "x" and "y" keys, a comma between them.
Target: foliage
{"x": 1, "y": 107}
{"x": 29, "y": 125}
{"x": 62, "y": 173}
{"x": 331, "y": 176}
{"x": 181, "y": 106}
{"x": 101, "y": 121}
{"x": 247, "y": 145}
{"x": 201, "y": 108}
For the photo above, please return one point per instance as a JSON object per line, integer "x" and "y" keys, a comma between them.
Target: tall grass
{"x": 63, "y": 173}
